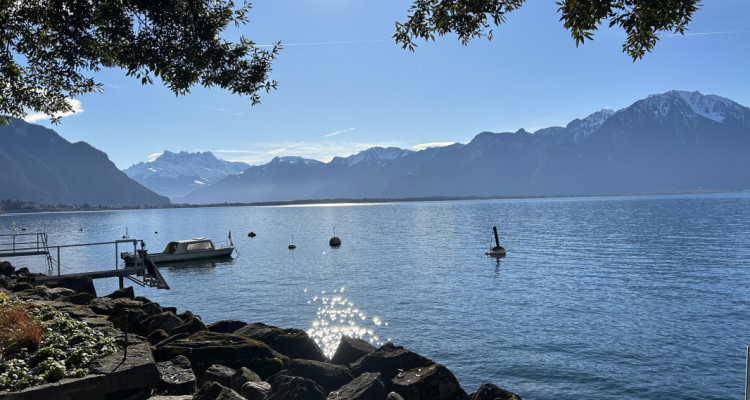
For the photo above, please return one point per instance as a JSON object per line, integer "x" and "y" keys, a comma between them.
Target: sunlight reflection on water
{"x": 337, "y": 316}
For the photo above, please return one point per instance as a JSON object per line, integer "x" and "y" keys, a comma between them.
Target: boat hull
{"x": 161, "y": 258}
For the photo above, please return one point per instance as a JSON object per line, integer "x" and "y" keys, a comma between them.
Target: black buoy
{"x": 496, "y": 250}
{"x": 292, "y": 246}
{"x": 335, "y": 241}
{"x": 251, "y": 234}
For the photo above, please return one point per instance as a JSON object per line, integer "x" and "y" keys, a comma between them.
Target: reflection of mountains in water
{"x": 337, "y": 316}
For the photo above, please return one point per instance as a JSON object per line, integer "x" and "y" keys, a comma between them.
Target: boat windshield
{"x": 205, "y": 245}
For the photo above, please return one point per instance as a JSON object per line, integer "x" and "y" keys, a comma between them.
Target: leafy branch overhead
{"x": 49, "y": 50}
{"x": 642, "y": 20}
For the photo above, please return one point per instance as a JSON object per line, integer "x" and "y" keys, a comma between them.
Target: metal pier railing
{"x": 144, "y": 272}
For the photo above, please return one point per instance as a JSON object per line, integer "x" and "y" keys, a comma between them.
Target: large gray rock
{"x": 215, "y": 391}
{"x": 177, "y": 377}
{"x": 191, "y": 324}
{"x": 127, "y": 293}
{"x": 204, "y": 349}
{"x": 329, "y": 376}
{"x": 79, "y": 284}
{"x": 165, "y": 321}
{"x": 255, "y": 390}
{"x": 350, "y": 350}
{"x": 489, "y": 391}
{"x": 293, "y": 343}
{"x": 434, "y": 382}
{"x": 389, "y": 360}
{"x": 286, "y": 387}
{"x": 217, "y": 373}
{"x": 368, "y": 386}
{"x": 242, "y": 376}
{"x": 6, "y": 269}
{"x": 127, "y": 372}
{"x": 226, "y": 326}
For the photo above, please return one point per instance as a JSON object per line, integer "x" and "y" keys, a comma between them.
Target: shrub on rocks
{"x": 293, "y": 343}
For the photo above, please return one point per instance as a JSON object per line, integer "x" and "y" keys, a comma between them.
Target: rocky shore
{"x": 166, "y": 355}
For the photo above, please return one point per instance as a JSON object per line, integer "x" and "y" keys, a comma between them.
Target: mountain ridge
{"x": 649, "y": 146}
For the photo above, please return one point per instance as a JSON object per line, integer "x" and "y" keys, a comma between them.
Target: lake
{"x": 597, "y": 298}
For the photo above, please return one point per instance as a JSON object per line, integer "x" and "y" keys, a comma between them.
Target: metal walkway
{"x": 143, "y": 273}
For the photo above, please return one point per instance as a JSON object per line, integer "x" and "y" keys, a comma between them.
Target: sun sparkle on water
{"x": 336, "y": 317}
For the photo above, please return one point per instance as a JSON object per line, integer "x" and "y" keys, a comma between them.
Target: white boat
{"x": 185, "y": 250}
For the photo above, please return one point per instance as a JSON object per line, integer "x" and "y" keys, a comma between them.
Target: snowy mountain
{"x": 176, "y": 174}
{"x": 670, "y": 142}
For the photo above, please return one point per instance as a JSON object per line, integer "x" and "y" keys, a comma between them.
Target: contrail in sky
{"x": 325, "y": 43}
{"x": 339, "y": 132}
{"x": 710, "y": 33}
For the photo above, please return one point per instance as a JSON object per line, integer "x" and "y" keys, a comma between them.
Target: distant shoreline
{"x": 24, "y": 207}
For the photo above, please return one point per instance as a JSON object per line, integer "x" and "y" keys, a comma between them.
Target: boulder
{"x": 350, "y": 350}
{"x": 433, "y": 382}
{"x": 21, "y": 286}
{"x": 219, "y": 374}
{"x": 242, "y": 376}
{"x": 80, "y": 298}
{"x": 329, "y": 376}
{"x": 204, "y": 349}
{"x": 489, "y": 391}
{"x": 191, "y": 324}
{"x": 4, "y": 282}
{"x": 134, "y": 370}
{"x": 127, "y": 319}
{"x": 126, "y": 293}
{"x": 177, "y": 377}
{"x": 102, "y": 305}
{"x": 226, "y": 326}
{"x": 165, "y": 321}
{"x": 157, "y": 336}
{"x": 286, "y": 387}
{"x": 215, "y": 391}
{"x": 6, "y": 269}
{"x": 151, "y": 309}
{"x": 389, "y": 360}
{"x": 393, "y": 396}
{"x": 368, "y": 386}
{"x": 79, "y": 284}
{"x": 293, "y": 343}
{"x": 255, "y": 390}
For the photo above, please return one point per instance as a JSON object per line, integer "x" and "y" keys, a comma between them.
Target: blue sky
{"x": 344, "y": 85}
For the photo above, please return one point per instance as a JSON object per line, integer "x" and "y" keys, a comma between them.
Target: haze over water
{"x": 597, "y": 298}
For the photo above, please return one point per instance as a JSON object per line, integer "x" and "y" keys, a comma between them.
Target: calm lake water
{"x": 598, "y": 298}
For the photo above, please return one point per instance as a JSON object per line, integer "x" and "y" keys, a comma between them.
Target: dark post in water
{"x": 497, "y": 241}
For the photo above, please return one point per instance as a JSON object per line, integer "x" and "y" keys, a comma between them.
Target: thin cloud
{"x": 423, "y": 146}
{"x": 77, "y": 109}
{"x": 338, "y": 132}
{"x": 264, "y": 152}
{"x": 154, "y": 156}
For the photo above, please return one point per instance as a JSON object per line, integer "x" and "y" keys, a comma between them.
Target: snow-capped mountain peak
{"x": 715, "y": 108}
{"x": 377, "y": 154}
{"x": 582, "y": 128}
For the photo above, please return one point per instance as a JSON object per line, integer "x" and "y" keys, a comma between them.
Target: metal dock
{"x": 143, "y": 273}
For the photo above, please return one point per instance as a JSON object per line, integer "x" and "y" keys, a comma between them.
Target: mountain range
{"x": 672, "y": 142}
{"x": 177, "y": 174}
{"x": 38, "y": 165}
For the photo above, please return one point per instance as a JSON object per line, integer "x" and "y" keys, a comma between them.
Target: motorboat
{"x": 185, "y": 250}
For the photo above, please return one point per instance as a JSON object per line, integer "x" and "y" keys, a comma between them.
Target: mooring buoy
{"x": 251, "y": 234}
{"x": 497, "y": 250}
